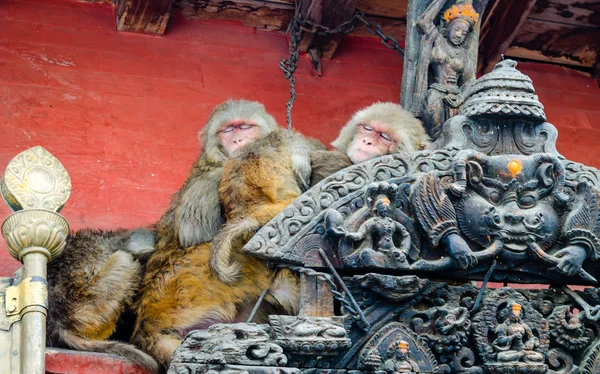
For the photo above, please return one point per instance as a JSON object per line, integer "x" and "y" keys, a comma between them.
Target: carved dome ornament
{"x": 504, "y": 92}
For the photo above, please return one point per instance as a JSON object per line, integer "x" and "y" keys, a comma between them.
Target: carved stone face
{"x": 516, "y": 211}
{"x": 458, "y": 30}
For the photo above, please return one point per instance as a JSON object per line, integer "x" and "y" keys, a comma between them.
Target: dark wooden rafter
{"x": 499, "y": 28}
{"x": 329, "y": 13}
{"x": 147, "y": 16}
{"x": 264, "y": 15}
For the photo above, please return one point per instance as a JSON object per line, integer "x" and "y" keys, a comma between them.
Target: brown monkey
{"x": 180, "y": 292}
{"x": 194, "y": 216}
{"x": 91, "y": 283}
{"x": 377, "y": 130}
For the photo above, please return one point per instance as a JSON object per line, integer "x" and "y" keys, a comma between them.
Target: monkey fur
{"x": 194, "y": 215}
{"x": 90, "y": 285}
{"x": 402, "y": 125}
{"x": 180, "y": 292}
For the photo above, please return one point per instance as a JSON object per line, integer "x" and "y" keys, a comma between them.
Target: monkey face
{"x": 371, "y": 140}
{"x": 237, "y": 133}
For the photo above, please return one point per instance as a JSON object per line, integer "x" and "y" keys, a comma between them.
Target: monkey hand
{"x": 571, "y": 259}
{"x": 459, "y": 251}
{"x": 302, "y": 170}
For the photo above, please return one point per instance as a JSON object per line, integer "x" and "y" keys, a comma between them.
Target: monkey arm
{"x": 194, "y": 216}
{"x": 300, "y": 150}
{"x": 325, "y": 163}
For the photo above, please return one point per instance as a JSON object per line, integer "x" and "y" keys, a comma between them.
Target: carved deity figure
{"x": 524, "y": 213}
{"x": 444, "y": 69}
{"x": 382, "y": 228}
{"x": 382, "y": 236}
{"x": 398, "y": 361}
{"x": 515, "y": 341}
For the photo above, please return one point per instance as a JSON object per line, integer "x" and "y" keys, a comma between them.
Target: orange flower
{"x": 462, "y": 10}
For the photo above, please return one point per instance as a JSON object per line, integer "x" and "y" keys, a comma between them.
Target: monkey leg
{"x": 96, "y": 309}
{"x": 99, "y": 305}
{"x": 188, "y": 297}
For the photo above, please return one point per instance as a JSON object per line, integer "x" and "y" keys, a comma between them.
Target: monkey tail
{"x": 109, "y": 346}
{"x": 222, "y": 247}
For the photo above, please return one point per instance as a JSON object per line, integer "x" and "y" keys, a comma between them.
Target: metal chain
{"x": 299, "y": 25}
{"x": 334, "y": 291}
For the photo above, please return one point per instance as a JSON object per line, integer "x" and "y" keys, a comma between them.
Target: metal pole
{"x": 33, "y": 320}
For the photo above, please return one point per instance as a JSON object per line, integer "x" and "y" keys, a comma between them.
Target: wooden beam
{"x": 146, "y": 16}
{"x": 498, "y": 30}
{"x": 329, "y": 13}
{"x": 384, "y": 8}
{"x": 265, "y": 15}
{"x": 557, "y": 43}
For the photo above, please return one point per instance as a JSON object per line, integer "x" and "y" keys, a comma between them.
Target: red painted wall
{"x": 121, "y": 111}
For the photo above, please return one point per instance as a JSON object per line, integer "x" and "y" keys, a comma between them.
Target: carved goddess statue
{"x": 444, "y": 68}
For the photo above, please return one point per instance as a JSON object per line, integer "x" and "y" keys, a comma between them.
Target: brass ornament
{"x": 36, "y": 228}
{"x": 35, "y": 179}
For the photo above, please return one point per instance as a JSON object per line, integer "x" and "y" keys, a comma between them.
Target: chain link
{"x": 299, "y": 25}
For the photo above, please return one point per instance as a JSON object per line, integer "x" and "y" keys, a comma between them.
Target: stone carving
{"x": 445, "y": 36}
{"x": 384, "y": 241}
{"x": 399, "y": 360}
{"x": 233, "y": 344}
{"x": 515, "y": 340}
{"x": 567, "y": 330}
{"x": 310, "y": 335}
{"x": 510, "y": 335}
{"x": 395, "y": 349}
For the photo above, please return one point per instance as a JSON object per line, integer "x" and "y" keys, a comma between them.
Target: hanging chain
{"x": 299, "y": 25}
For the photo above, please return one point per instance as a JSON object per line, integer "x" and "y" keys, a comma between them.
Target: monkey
{"x": 90, "y": 284}
{"x": 180, "y": 290}
{"x": 380, "y": 129}
{"x": 194, "y": 215}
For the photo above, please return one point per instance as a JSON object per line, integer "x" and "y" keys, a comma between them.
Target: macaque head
{"x": 379, "y": 130}
{"x": 232, "y": 125}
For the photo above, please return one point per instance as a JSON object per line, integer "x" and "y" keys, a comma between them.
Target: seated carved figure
{"x": 515, "y": 340}
{"x": 381, "y": 229}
